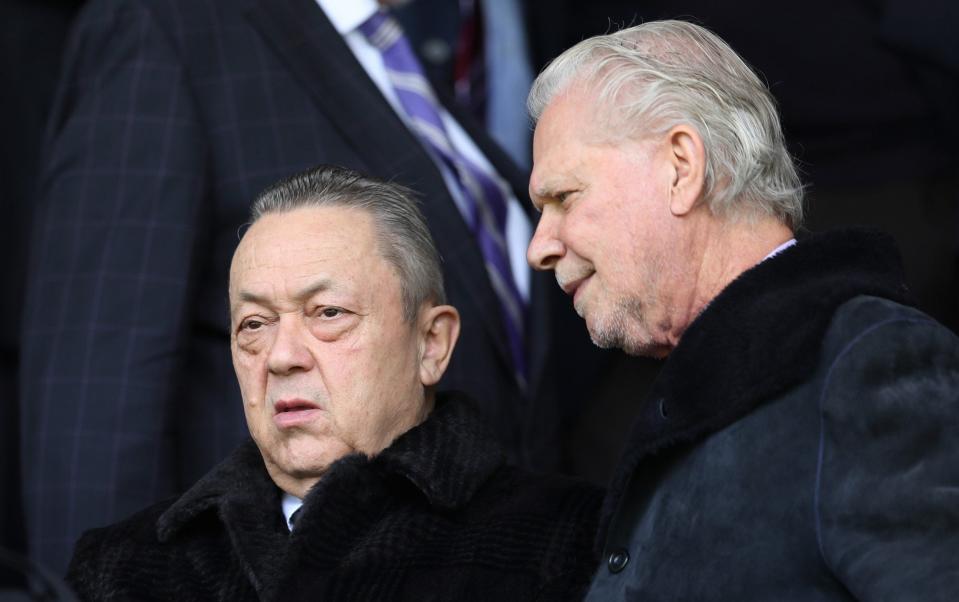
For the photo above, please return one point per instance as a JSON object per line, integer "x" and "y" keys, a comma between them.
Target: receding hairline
{"x": 377, "y": 228}
{"x": 318, "y": 284}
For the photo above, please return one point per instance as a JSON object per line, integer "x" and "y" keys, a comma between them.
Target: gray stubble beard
{"x": 615, "y": 331}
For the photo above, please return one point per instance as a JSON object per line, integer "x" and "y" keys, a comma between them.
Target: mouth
{"x": 289, "y": 413}
{"x": 572, "y": 287}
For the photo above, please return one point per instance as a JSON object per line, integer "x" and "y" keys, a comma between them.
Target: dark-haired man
{"x": 360, "y": 482}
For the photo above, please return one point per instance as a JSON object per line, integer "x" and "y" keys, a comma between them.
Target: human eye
{"x": 564, "y": 196}
{"x": 330, "y": 311}
{"x": 251, "y": 331}
{"x": 252, "y": 324}
{"x": 330, "y": 322}
{"x": 559, "y": 198}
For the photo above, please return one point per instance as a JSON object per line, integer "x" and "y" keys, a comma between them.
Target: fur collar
{"x": 758, "y": 338}
{"x": 446, "y": 458}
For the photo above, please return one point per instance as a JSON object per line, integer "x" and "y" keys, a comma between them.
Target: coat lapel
{"x": 239, "y": 495}
{"x": 315, "y": 53}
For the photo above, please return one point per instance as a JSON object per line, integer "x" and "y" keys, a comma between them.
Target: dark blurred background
{"x": 32, "y": 35}
{"x": 868, "y": 92}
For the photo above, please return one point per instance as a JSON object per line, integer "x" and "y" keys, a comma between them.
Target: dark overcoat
{"x": 802, "y": 443}
{"x": 436, "y": 516}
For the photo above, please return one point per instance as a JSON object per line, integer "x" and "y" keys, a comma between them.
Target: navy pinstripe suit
{"x": 172, "y": 115}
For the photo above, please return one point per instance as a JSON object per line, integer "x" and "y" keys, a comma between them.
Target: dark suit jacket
{"x": 436, "y": 516}
{"x": 32, "y": 35}
{"x": 172, "y": 115}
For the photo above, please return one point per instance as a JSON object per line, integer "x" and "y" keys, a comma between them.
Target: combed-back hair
{"x": 649, "y": 78}
{"x": 403, "y": 237}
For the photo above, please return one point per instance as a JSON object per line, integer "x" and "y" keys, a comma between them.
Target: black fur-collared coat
{"x": 436, "y": 516}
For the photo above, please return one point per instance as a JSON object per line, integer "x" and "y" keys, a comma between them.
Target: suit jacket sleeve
{"x": 887, "y": 496}
{"x": 109, "y": 284}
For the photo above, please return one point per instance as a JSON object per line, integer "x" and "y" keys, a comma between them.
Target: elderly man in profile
{"x": 360, "y": 482}
{"x": 802, "y": 440}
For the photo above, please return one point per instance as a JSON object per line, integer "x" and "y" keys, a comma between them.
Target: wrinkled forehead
{"x": 579, "y": 113}
{"x": 568, "y": 126}
{"x": 304, "y": 242}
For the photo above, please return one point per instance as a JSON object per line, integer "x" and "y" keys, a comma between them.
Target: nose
{"x": 289, "y": 352}
{"x": 545, "y": 248}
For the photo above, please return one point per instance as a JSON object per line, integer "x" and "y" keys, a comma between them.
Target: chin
{"x": 615, "y": 333}
{"x": 309, "y": 459}
{"x": 606, "y": 332}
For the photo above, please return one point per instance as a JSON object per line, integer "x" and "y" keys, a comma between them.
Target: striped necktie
{"x": 484, "y": 198}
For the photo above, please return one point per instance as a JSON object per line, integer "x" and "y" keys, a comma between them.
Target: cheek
{"x": 251, "y": 375}
{"x": 340, "y": 380}
{"x": 371, "y": 382}
{"x": 574, "y": 233}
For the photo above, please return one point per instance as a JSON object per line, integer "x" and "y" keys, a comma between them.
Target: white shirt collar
{"x": 290, "y": 505}
{"x": 780, "y": 248}
{"x": 347, "y": 15}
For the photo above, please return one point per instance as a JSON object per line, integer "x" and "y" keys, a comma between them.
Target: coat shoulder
{"x": 866, "y": 311}
{"x": 102, "y": 555}
{"x": 885, "y": 525}
{"x": 869, "y": 329}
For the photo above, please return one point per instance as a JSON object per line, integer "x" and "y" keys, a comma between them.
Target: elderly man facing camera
{"x": 802, "y": 440}
{"x": 360, "y": 482}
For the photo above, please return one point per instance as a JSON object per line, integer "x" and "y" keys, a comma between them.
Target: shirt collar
{"x": 780, "y": 248}
{"x": 290, "y": 504}
{"x": 347, "y": 15}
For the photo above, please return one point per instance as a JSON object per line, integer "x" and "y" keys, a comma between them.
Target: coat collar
{"x": 446, "y": 458}
{"x": 758, "y": 338}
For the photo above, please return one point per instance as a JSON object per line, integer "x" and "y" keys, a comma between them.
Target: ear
{"x": 687, "y": 156}
{"x": 439, "y": 329}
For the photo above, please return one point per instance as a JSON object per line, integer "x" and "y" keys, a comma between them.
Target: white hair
{"x": 652, "y": 77}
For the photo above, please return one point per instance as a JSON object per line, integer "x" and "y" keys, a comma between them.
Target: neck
{"x": 721, "y": 250}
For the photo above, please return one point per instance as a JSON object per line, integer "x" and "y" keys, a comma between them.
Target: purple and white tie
{"x": 485, "y": 199}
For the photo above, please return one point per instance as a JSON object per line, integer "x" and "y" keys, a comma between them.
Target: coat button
{"x": 662, "y": 408}
{"x": 618, "y": 560}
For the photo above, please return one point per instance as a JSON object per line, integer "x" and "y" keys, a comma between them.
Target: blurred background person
{"x": 32, "y": 33}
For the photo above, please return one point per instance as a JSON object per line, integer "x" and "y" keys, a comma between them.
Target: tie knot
{"x": 381, "y": 30}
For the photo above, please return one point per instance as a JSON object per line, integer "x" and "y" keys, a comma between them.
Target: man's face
{"x": 606, "y": 227}
{"x": 326, "y": 363}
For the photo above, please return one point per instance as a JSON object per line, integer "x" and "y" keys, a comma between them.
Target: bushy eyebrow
{"x": 324, "y": 284}
{"x": 555, "y": 184}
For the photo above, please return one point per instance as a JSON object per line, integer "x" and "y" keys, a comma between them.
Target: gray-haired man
{"x": 802, "y": 440}
{"x": 361, "y": 482}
